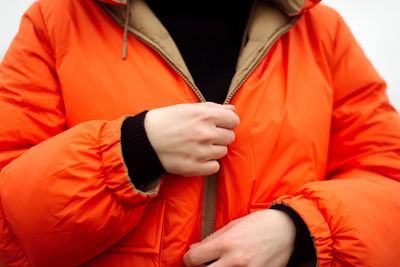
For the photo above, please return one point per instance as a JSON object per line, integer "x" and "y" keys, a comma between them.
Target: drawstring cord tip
{"x": 126, "y": 24}
{"x": 124, "y": 51}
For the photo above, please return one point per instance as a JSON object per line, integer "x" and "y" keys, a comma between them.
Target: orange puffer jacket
{"x": 317, "y": 133}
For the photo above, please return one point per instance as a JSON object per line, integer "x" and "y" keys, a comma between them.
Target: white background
{"x": 373, "y": 22}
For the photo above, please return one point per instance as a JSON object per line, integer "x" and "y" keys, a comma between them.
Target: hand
{"x": 264, "y": 238}
{"x": 190, "y": 138}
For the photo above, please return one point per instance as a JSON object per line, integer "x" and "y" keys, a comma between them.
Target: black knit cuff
{"x": 304, "y": 249}
{"x": 144, "y": 166}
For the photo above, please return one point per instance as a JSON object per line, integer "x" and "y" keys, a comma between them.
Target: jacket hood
{"x": 290, "y": 7}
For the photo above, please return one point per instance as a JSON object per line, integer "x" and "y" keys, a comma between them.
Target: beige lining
{"x": 267, "y": 24}
{"x": 290, "y": 7}
{"x": 264, "y": 23}
{"x": 120, "y": 1}
{"x": 144, "y": 24}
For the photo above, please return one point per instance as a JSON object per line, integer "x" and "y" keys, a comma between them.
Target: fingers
{"x": 224, "y": 115}
{"x": 203, "y": 252}
{"x": 208, "y": 162}
{"x": 189, "y": 139}
{"x": 209, "y": 167}
{"x": 209, "y": 153}
{"x": 215, "y": 105}
{"x": 221, "y": 231}
{"x": 223, "y": 137}
{"x": 226, "y": 118}
{"x": 212, "y": 245}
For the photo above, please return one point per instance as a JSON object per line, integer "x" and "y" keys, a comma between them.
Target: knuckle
{"x": 195, "y": 170}
{"x": 196, "y": 112}
{"x": 240, "y": 258}
{"x": 204, "y": 112}
{"x": 189, "y": 168}
{"x": 206, "y": 135}
{"x": 226, "y": 244}
{"x": 201, "y": 154}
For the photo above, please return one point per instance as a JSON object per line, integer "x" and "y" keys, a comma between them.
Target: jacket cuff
{"x": 316, "y": 224}
{"x": 304, "y": 251}
{"x": 142, "y": 162}
{"x": 114, "y": 169}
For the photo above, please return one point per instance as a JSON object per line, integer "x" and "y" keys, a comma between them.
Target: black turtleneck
{"x": 208, "y": 34}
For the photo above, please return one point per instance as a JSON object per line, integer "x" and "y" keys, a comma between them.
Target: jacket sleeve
{"x": 353, "y": 215}
{"x": 65, "y": 194}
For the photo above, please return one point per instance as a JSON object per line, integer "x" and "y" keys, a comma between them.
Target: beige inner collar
{"x": 290, "y": 7}
{"x": 264, "y": 23}
{"x": 264, "y": 27}
{"x": 144, "y": 24}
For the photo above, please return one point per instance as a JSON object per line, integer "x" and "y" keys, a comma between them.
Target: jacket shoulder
{"x": 323, "y": 21}
{"x": 321, "y": 28}
{"x": 63, "y": 20}
{"x": 324, "y": 14}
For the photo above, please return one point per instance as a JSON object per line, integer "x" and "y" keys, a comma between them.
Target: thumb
{"x": 214, "y": 235}
{"x": 203, "y": 252}
{"x": 216, "y": 105}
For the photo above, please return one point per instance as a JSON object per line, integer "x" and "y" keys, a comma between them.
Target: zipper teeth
{"x": 193, "y": 86}
{"x": 174, "y": 67}
{"x": 229, "y": 98}
{"x": 254, "y": 66}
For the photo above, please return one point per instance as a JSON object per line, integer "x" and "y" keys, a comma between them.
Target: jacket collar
{"x": 290, "y": 7}
{"x": 295, "y": 7}
{"x": 266, "y": 24}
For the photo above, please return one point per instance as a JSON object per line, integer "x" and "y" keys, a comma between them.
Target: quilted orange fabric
{"x": 317, "y": 133}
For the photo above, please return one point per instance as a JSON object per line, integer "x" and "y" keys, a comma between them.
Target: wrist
{"x": 304, "y": 248}
{"x": 144, "y": 166}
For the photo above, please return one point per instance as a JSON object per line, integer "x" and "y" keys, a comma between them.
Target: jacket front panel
{"x": 279, "y": 123}
{"x": 282, "y": 143}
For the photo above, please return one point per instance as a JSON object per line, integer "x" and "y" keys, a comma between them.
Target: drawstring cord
{"x": 127, "y": 15}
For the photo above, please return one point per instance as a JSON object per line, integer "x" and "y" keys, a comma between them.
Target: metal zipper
{"x": 259, "y": 59}
{"x": 210, "y": 181}
{"x": 209, "y": 202}
{"x": 237, "y": 87}
{"x": 174, "y": 67}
